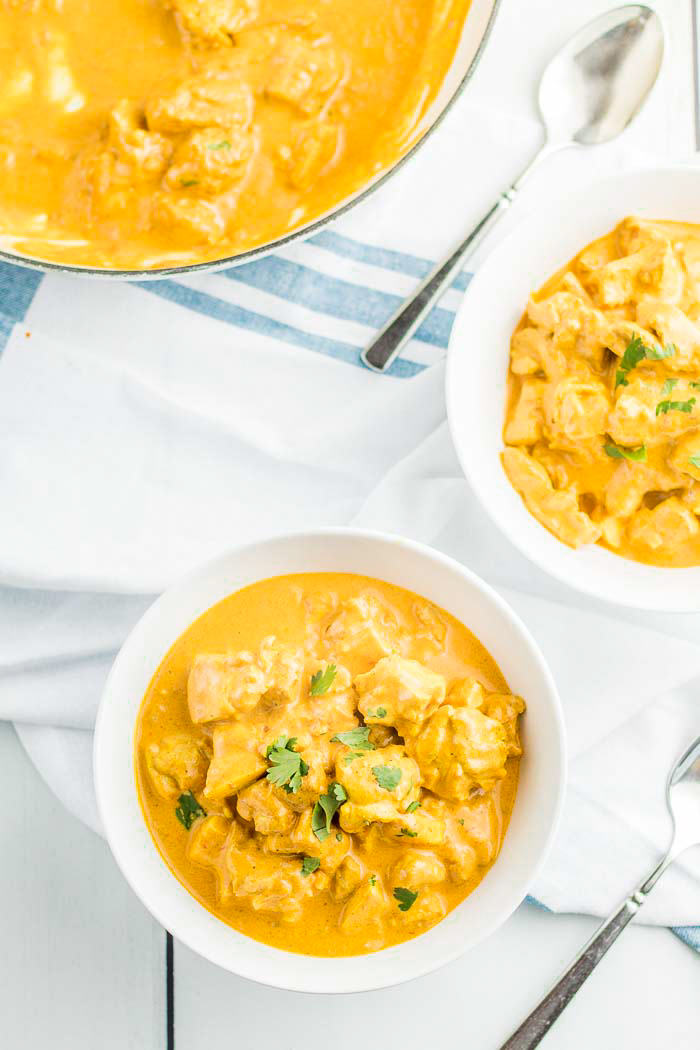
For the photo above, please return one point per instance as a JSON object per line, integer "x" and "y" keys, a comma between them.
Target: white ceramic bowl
{"x": 400, "y": 562}
{"x": 548, "y": 238}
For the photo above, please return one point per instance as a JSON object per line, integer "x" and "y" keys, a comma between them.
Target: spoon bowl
{"x": 596, "y": 84}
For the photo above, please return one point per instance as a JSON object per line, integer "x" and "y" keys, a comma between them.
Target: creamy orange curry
{"x": 602, "y": 426}
{"x": 145, "y": 133}
{"x": 328, "y": 762}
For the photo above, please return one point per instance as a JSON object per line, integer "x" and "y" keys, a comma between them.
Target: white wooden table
{"x": 84, "y": 967}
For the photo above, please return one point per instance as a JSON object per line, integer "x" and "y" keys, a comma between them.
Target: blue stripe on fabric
{"x": 335, "y": 297}
{"x": 219, "y": 309}
{"x": 17, "y": 289}
{"x": 387, "y": 259}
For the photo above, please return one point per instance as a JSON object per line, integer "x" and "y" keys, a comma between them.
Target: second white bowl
{"x": 409, "y": 565}
{"x": 477, "y": 372}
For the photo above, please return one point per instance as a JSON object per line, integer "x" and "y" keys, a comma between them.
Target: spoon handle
{"x": 535, "y": 1027}
{"x": 407, "y": 319}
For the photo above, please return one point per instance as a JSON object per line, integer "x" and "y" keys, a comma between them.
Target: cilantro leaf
{"x": 379, "y": 713}
{"x": 287, "y": 766}
{"x": 695, "y": 384}
{"x": 189, "y": 810}
{"x": 668, "y": 386}
{"x": 618, "y": 452}
{"x": 323, "y": 680}
{"x": 309, "y": 865}
{"x": 408, "y": 834}
{"x": 694, "y": 461}
{"x": 413, "y": 807}
{"x": 388, "y": 777}
{"x": 326, "y": 808}
{"x": 189, "y": 182}
{"x": 373, "y": 880}
{"x": 675, "y": 406}
{"x": 224, "y": 144}
{"x": 357, "y": 738}
{"x": 405, "y": 897}
{"x": 637, "y": 351}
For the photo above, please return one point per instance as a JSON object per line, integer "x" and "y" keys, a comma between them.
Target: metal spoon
{"x": 683, "y": 800}
{"x": 589, "y": 93}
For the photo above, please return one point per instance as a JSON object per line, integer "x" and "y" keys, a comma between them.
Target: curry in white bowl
{"x": 328, "y": 763}
{"x": 602, "y": 428}
{"x": 138, "y": 134}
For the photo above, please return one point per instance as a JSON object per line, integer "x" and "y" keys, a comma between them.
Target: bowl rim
{"x": 531, "y": 539}
{"x": 165, "y": 272}
{"x": 129, "y": 653}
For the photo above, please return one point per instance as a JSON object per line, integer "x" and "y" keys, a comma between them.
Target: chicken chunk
{"x": 145, "y": 153}
{"x": 362, "y": 631}
{"x": 506, "y": 709}
{"x": 460, "y": 750}
{"x": 524, "y": 426}
{"x": 303, "y": 74}
{"x": 331, "y": 851}
{"x": 685, "y": 455}
{"x": 668, "y": 524}
{"x": 215, "y": 98}
{"x": 418, "y": 868}
{"x": 399, "y": 692}
{"x": 380, "y": 785}
{"x": 429, "y": 906}
{"x": 260, "y": 804}
{"x": 177, "y": 763}
{"x": 211, "y": 160}
{"x": 213, "y": 22}
{"x": 556, "y": 509}
{"x": 225, "y": 686}
{"x": 575, "y": 411}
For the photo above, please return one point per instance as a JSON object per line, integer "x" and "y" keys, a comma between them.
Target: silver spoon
{"x": 589, "y": 93}
{"x": 683, "y": 800}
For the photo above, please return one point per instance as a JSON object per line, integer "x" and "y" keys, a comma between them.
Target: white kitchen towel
{"x": 146, "y": 427}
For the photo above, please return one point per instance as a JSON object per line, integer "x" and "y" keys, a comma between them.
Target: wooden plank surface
{"x": 81, "y": 962}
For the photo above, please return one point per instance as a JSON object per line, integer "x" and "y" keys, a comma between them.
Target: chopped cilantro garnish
{"x": 379, "y": 713}
{"x": 188, "y": 810}
{"x": 326, "y": 808}
{"x": 309, "y": 865}
{"x": 694, "y": 461}
{"x": 405, "y": 897}
{"x": 408, "y": 834}
{"x": 637, "y": 351}
{"x": 618, "y": 452}
{"x": 675, "y": 406}
{"x": 388, "y": 777}
{"x": 322, "y": 680}
{"x": 189, "y": 182}
{"x": 413, "y": 807}
{"x": 224, "y": 144}
{"x": 357, "y": 738}
{"x": 287, "y": 766}
{"x": 373, "y": 880}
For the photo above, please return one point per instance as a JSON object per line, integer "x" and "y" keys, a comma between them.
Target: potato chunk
{"x": 459, "y": 750}
{"x": 556, "y": 509}
{"x": 177, "y": 763}
{"x": 207, "y": 839}
{"x": 366, "y": 908}
{"x": 233, "y": 766}
{"x": 399, "y": 692}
